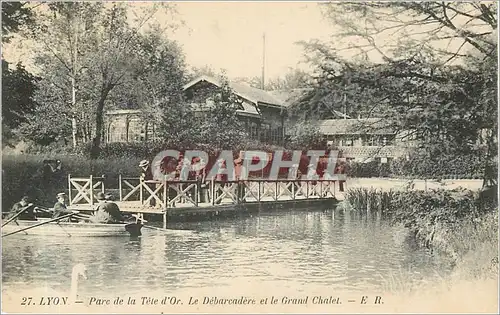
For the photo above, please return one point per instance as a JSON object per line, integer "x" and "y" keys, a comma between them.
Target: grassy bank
{"x": 459, "y": 224}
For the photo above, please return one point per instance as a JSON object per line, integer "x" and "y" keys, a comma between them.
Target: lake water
{"x": 293, "y": 251}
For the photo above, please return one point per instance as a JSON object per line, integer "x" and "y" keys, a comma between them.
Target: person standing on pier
{"x": 146, "y": 175}
{"x": 341, "y": 169}
{"x": 200, "y": 175}
{"x": 238, "y": 175}
{"x": 312, "y": 175}
{"x": 221, "y": 177}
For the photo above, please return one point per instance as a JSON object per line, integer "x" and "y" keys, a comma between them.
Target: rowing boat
{"x": 79, "y": 229}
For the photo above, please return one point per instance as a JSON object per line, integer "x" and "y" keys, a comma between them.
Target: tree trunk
{"x": 490, "y": 176}
{"x": 99, "y": 122}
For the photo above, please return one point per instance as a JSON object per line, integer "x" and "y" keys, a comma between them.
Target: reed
{"x": 364, "y": 200}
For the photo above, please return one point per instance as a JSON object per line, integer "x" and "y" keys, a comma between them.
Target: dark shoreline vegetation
{"x": 460, "y": 224}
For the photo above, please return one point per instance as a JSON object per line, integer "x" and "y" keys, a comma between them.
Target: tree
{"x": 304, "y": 135}
{"x": 95, "y": 48}
{"x": 18, "y": 89}
{"x": 18, "y": 85}
{"x": 200, "y": 71}
{"x": 445, "y": 98}
{"x": 293, "y": 79}
{"x": 221, "y": 127}
{"x": 15, "y": 15}
{"x": 392, "y": 30}
{"x": 157, "y": 88}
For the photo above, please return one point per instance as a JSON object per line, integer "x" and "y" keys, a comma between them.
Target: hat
{"x": 100, "y": 196}
{"x": 25, "y": 198}
{"x": 61, "y": 195}
{"x": 144, "y": 163}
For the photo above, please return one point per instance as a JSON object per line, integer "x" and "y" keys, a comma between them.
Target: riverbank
{"x": 458, "y": 224}
{"x": 400, "y": 184}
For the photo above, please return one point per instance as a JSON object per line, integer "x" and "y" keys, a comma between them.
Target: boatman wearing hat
{"x": 147, "y": 174}
{"x": 107, "y": 211}
{"x": 60, "y": 208}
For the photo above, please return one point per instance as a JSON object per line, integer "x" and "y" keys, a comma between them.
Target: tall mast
{"x": 263, "y": 60}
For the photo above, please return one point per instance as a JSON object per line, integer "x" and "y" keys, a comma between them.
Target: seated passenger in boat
{"x": 107, "y": 211}
{"x": 27, "y": 214}
{"x": 60, "y": 208}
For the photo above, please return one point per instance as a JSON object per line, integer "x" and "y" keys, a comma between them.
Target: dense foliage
{"x": 18, "y": 89}
{"x": 443, "y": 99}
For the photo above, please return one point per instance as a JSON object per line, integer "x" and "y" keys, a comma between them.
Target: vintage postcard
{"x": 249, "y": 157}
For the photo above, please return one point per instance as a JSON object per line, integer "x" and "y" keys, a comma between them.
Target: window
{"x": 253, "y": 130}
{"x": 136, "y": 130}
{"x": 117, "y": 131}
{"x": 347, "y": 142}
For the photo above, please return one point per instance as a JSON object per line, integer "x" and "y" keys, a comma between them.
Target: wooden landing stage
{"x": 181, "y": 199}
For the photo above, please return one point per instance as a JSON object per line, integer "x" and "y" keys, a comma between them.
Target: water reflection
{"x": 302, "y": 250}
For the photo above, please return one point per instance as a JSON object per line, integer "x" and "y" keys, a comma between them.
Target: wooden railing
{"x": 85, "y": 187}
{"x": 192, "y": 193}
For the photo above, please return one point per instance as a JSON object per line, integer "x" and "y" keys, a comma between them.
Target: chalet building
{"x": 263, "y": 114}
{"x": 268, "y": 116}
{"x": 364, "y": 140}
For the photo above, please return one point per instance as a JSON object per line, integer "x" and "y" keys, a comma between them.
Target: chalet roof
{"x": 354, "y": 126}
{"x": 243, "y": 90}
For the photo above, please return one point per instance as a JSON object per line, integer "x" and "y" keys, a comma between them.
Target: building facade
{"x": 267, "y": 116}
{"x": 262, "y": 114}
{"x": 364, "y": 140}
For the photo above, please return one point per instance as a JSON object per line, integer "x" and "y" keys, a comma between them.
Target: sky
{"x": 229, "y": 36}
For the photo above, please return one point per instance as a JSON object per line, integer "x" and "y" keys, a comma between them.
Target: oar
{"x": 51, "y": 211}
{"x": 39, "y": 224}
{"x": 17, "y": 223}
{"x": 17, "y": 214}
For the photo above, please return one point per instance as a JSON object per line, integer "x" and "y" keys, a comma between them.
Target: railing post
{"x": 293, "y": 189}
{"x": 196, "y": 196}
{"x": 237, "y": 192}
{"x": 307, "y": 189}
{"x": 212, "y": 189}
{"x": 141, "y": 181}
{"x": 258, "y": 192}
{"x": 69, "y": 189}
{"x": 164, "y": 218}
{"x": 120, "y": 186}
{"x": 165, "y": 193}
{"x": 321, "y": 189}
{"x": 91, "y": 191}
{"x": 103, "y": 176}
{"x": 276, "y": 192}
